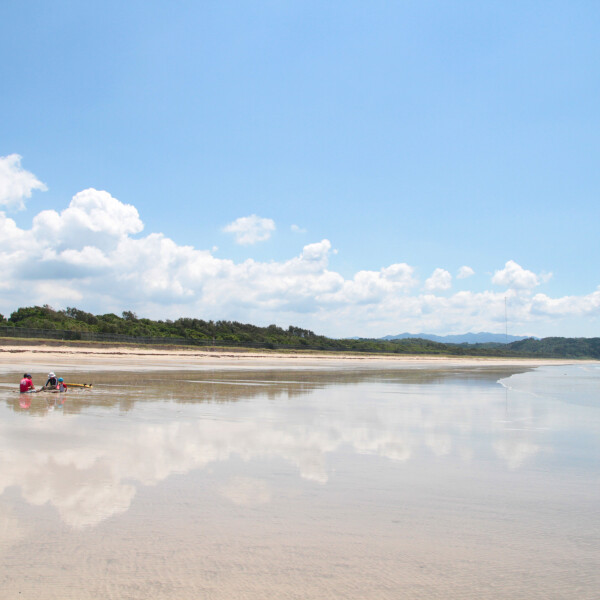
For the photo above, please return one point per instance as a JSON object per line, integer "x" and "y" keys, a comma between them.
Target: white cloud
{"x": 91, "y": 255}
{"x": 440, "y": 280}
{"x": 374, "y": 287}
{"x": 297, "y": 229}
{"x": 98, "y": 211}
{"x": 566, "y": 306}
{"x": 250, "y": 230}
{"x": 465, "y": 272}
{"x": 16, "y": 183}
{"x": 515, "y": 277}
{"x": 86, "y": 255}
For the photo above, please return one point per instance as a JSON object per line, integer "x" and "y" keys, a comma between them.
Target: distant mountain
{"x": 466, "y": 338}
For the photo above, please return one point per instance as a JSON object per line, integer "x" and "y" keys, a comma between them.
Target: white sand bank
{"x": 38, "y": 356}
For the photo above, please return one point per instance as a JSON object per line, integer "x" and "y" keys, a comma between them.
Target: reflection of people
{"x": 52, "y": 382}
{"x": 25, "y": 402}
{"x": 26, "y": 384}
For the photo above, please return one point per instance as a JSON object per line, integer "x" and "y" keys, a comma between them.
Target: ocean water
{"x": 465, "y": 482}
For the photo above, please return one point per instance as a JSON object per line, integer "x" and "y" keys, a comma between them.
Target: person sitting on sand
{"x": 62, "y": 386}
{"x": 26, "y": 384}
{"x": 52, "y": 382}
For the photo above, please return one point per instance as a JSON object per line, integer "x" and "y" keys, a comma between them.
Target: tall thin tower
{"x": 505, "y": 320}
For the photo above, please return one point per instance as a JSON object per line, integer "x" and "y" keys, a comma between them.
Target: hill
{"x": 72, "y": 324}
{"x": 466, "y": 338}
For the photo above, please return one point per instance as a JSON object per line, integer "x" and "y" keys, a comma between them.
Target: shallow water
{"x": 288, "y": 483}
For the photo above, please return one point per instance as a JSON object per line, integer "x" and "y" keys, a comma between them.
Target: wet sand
{"x": 186, "y": 475}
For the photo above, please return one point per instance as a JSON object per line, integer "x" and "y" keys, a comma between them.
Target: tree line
{"x": 198, "y": 331}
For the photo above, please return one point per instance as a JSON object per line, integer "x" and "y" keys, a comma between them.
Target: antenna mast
{"x": 505, "y": 320}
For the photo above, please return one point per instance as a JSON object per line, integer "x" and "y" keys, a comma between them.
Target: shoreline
{"x": 22, "y": 356}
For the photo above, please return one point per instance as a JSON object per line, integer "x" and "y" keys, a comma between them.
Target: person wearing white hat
{"x": 52, "y": 382}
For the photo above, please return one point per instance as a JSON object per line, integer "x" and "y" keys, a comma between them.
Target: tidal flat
{"x": 437, "y": 480}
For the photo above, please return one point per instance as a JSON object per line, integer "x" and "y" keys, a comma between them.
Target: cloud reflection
{"x": 88, "y": 466}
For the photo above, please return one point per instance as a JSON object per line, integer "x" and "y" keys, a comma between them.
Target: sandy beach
{"x": 225, "y": 474}
{"x": 22, "y": 356}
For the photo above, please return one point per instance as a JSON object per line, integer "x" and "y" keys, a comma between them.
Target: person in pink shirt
{"x": 26, "y": 384}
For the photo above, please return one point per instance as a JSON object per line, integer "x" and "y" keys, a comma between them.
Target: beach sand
{"x": 228, "y": 474}
{"x": 24, "y": 356}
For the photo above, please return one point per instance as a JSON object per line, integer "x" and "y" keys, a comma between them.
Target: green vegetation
{"x": 73, "y": 319}
{"x": 197, "y": 331}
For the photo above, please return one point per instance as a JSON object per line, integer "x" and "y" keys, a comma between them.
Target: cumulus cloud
{"x": 465, "y": 272}
{"x": 16, "y": 183}
{"x": 97, "y": 211}
{"x": 91, "y": 254}
{"x": 87, "y": 255}
{"x": 250, "y": 230}
{"x": 513, "y": 276}
{"x": 374, "y": 287}
{"x": 589, "y": 304}
{"x": 297, "y": 229}
{"x": 440, "y": 280}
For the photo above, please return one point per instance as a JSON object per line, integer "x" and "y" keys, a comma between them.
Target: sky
{"x": 355, "y": 168}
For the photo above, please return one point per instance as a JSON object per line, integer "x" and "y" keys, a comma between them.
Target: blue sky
{"x": 426, "y": 134}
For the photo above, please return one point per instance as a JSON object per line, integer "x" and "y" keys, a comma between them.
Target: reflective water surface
{"x": 478, "y": 482}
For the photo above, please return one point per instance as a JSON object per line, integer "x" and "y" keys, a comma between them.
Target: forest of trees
{"x": 234, "y": 333}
